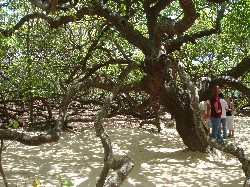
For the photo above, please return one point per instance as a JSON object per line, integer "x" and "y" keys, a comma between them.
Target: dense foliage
{"x": 60, "y": 59}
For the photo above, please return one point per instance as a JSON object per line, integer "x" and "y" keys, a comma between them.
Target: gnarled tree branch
{"x": 242, "y": 68}
{"x": 230, "y": 78}
{"x": 124, "y": 165}
{"x": 29, "y": 139}
{"x": 173, "y": 45}
{"x": 25, "y": 19}
{"x": 187, "y": 21}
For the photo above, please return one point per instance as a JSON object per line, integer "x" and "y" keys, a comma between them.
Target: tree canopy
{"x": 121, "y": 57}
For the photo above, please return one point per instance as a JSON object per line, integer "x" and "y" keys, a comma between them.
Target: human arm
{"x": 232, "y": 106}
{"x": 226, "y": 106}
{"x": 216, "y": 107}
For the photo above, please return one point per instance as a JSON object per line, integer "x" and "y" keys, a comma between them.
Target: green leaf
{"x": 15, "y": 124}
{"x": 67, "y": 183}
{"x": 123, "y": 8}
{"x": 8, "y": 126}
{"x": 64, "y": 182}
{"x": 58, "y": 177}
{"x": 36, "y": 182}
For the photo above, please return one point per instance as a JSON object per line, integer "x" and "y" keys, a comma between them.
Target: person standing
{"x": 205, "y": 114}
{"x": 202, "y": 106}
{"x": 216, "y": 115}
{"x": 224, "y": 109}
{"x": 230, "y": 117}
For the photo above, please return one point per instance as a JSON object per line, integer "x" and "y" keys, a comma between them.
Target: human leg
{"x": 216, "y": 129}
{"x": 224, "y": 127}
{"x": 233, "y": 126}
{"x": 230, "y": 125}
{"x": 219, "y": 137}
{"x": 232, "y": 133}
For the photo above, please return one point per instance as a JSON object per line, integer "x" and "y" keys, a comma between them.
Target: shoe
{"x": 220, "y": 141}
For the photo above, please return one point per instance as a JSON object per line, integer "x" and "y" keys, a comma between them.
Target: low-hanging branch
{"x": 229, "y": 77}
{"x": 30, "y": 139}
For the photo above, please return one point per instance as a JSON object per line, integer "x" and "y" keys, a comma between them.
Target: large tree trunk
{"x": 192, "y": 138}
{"x": 188, "y": 122}
{"x": 181, "y": 100}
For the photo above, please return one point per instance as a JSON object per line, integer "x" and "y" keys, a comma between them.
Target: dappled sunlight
{"x": 186, "y": 168}
{"x": 242, "y": 130}
{"x": 161, "y": 159}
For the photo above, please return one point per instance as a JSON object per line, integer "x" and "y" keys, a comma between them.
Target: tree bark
{"x": 181, "y": 100}
{"x": 1, "y": 166}
{"x": 123, "y": 166}
{"x": 5, "y": 110}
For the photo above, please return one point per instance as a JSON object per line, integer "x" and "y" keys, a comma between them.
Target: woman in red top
{"x": 216, "y": 115}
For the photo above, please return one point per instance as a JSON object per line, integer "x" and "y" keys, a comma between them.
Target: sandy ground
{"x": 161, "y": 159}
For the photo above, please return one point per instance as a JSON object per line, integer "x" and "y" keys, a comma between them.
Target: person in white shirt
{"x": 205, "y": 114}
{"x": 224, "y": 107}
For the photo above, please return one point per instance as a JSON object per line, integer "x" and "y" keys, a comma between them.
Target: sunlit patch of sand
{"x": 160, "y": 159}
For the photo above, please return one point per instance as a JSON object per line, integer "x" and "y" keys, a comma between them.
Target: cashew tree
{"x": 135, "y": 56}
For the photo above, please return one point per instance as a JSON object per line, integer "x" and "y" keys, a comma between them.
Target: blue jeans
{"x": 224, "y": 127}
{"x": 216, "y": 128}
